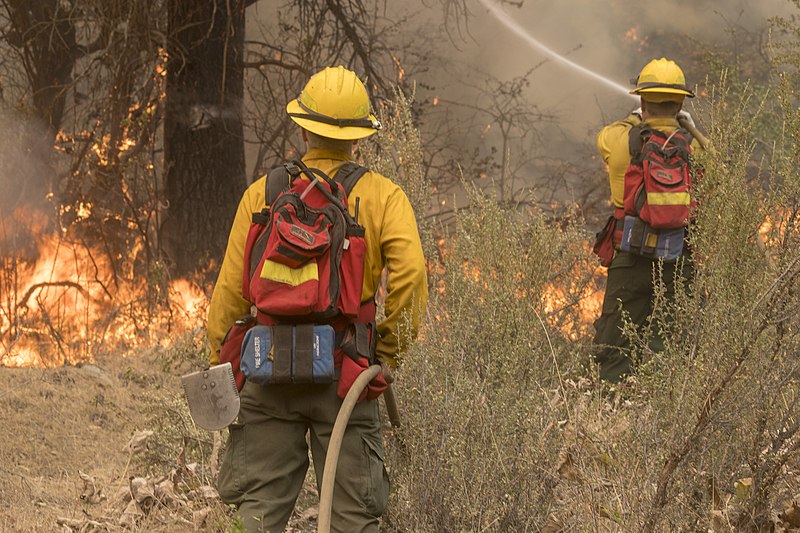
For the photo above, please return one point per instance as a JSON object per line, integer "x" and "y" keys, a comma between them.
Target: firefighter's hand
{"x": 388, "y": 373}
{"x": 686, "y": 118}
{"x": 637, "y": 112}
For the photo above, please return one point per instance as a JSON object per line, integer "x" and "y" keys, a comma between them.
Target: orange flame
{"x": 632, "y": 38}
{"x": 62, "y": 301}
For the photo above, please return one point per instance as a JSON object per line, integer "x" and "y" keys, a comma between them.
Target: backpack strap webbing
{"x": 636, "y": 141}
{"x": 637, "y": 135}
{"x": 349, "y": 174}
{"x": 280, "y": 178}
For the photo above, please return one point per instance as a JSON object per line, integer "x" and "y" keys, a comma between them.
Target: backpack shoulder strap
{"x": 349, "y": 174}
{"x": 636, "y": 140}
{"x": 686, "y": 135}
{"x": 278, "y": 180}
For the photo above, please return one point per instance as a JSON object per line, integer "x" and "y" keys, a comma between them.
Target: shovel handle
{"x": 391, "y": 406}
{"x": 702, "y": 139}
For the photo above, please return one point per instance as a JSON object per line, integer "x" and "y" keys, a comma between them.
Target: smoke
{"x": 614, "y": 38}
{"x": 457, "y": 67}
{"x": 25, "y": 170}
{"x": 25, "y": 162}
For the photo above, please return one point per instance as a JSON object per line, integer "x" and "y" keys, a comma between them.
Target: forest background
{"x": 130, "y": 130}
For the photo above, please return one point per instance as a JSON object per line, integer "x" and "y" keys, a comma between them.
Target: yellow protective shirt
{"x": 392, "y": 241}
{"x": 613, "y": 145}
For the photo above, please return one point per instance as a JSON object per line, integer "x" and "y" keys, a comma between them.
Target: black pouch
{"x": 303, "y": 353}
{"x": 359, "y": 341}
{"x": 633, "y": 235}
{"x": 282, "y": 354}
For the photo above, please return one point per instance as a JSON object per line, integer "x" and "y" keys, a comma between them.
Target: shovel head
{"x": 212, "y": 396}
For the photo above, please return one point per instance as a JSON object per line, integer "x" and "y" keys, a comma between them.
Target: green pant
{"x": 266, "y": 459}
{"x": 630, "y": 289}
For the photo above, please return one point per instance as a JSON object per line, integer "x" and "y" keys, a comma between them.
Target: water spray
{"x": 506, "y": 20}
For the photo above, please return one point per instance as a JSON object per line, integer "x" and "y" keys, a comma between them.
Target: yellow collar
{"x": 322, "y": 153}
{"x": 662, "y": 122}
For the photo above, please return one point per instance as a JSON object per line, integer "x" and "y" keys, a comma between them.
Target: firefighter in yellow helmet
{"x": 661, "y": 86}
{"x": 266, "y": 459}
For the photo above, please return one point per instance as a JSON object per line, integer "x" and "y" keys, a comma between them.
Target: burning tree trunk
{"x": 203, "y": 134}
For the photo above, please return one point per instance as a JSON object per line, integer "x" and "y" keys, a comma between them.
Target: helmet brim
{"x": 347, "y": 133}
{"x": 662, "y": 90}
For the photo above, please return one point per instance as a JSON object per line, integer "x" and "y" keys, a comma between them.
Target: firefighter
{"x": 266, "y": 459}
{"x": 661, "y": 86}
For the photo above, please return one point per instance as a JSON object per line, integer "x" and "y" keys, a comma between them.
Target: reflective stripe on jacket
{"x": 392, "y": 241}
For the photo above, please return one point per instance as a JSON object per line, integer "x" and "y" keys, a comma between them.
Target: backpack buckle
{"x": 293, "y": 170}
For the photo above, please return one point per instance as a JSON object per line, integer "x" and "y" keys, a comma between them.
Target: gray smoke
{"x": 25, "y": 157}
{"x": 616, "y": 38}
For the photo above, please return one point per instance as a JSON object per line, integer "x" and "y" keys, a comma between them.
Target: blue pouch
{"x": 640, "y": 238}
{"x": 288, "y": 354}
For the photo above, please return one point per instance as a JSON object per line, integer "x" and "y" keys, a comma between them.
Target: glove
{"x": 685, "y": 117}
{"x": 350, "y": 371}
{"x": 637, "y": 112}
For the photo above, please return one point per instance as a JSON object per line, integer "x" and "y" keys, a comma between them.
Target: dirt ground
{"x": 61, "y": 422}
{"x": 65, "y": 460}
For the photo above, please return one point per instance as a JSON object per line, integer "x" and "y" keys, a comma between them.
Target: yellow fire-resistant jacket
{"x": 392, "y": 241}
{"x": 613, "y": 145}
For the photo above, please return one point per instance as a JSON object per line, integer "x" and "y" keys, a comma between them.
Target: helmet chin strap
{"x": 341, "y": 122}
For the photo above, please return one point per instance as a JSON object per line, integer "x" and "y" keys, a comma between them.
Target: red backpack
{"x": 658, "y": 181}
{"x": 304, "y": 264}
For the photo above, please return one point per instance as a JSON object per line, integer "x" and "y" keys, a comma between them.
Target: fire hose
{"x": 337, "y": 435}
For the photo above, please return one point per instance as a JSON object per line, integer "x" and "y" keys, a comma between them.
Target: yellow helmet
{"x": 334, "y": 104}
{"x": 661, "y": 80}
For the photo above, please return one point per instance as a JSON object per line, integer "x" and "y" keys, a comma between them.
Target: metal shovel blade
{"x": 212, "y": 396}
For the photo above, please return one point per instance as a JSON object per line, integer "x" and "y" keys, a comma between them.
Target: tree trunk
{"x": 44, "y": 33}
{"x": 203, "y": 135}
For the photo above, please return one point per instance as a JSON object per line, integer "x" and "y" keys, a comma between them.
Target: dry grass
{"x": 506, "y": 427}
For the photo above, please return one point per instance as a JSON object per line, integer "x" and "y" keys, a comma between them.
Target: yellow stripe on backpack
{"x": 668, "y": 198}
{"x": 291, "y": 276}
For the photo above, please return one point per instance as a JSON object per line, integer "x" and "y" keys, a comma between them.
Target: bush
{"x": 505, "y": 426}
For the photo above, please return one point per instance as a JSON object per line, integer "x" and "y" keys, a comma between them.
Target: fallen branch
{"x": 37, "y": 286}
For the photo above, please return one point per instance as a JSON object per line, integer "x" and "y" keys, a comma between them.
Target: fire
{"x": 586, "y": 299}
{"x": 83, "y": 210}
{"x": 62, "y": 300}
{"x": 401, "y": 72}
{"x": 570, "y": 305}
{"x": 632, "y": 38}
{"x": 774, "y": 229}
{"x": 189, "y": 298}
